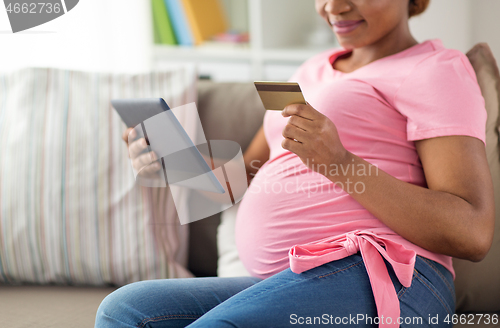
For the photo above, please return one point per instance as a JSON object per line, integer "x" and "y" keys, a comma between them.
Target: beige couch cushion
{"x": 478, "y": 284}
{"x": 230, "y": 111}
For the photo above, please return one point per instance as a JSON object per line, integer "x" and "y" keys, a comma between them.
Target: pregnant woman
{"x": 360, "y": 198}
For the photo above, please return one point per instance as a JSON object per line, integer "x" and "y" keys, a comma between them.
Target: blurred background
{"x": 261, "y": 40}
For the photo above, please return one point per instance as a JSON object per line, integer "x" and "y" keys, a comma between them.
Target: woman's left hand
{"x": 313, "y": 137}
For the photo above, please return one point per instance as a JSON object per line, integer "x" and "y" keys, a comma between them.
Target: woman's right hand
{"x": 142, "y": 162}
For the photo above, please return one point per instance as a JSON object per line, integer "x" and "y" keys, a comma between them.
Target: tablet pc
{"x": 135, "y": 111}
{"x": 182, "y": 162}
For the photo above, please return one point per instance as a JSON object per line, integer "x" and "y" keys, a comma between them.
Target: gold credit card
{"x": 278, "y": 95}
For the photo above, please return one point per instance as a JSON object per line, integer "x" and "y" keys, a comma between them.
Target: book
{"x": 162, "y": 23}
{"x": 232, "y": 37}
{"x": 156, "y": 35}
{"x": 178, "y": 18}
{"x": 206, "y": 18}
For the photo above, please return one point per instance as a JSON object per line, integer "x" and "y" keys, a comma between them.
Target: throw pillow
{"x": 477, "y": 284}
{"x": 70, "y": 210}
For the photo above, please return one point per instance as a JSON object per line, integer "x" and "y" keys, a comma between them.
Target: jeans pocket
{"x": 398, "y": 287}
{"x": 401, "y": 291}
{"x": 444, "y": 274}
{"x": 437, "y": 288}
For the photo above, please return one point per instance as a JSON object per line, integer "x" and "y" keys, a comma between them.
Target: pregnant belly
{"x": 287, "y": 206}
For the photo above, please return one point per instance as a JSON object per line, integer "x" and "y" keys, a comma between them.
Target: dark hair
{"x": 417, "y": 7}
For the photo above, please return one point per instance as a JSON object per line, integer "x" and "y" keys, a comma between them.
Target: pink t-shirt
{"x": 425, "y": 91}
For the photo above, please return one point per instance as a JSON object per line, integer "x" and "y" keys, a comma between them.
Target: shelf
{"x": 283, "y": 34}
{"x": 290, "y": 55}
{"x": 223, "y": 53}
{"x": 208, "y": 52}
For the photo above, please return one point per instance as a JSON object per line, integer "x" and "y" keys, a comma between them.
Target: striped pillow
{"x": 70, "y": 211}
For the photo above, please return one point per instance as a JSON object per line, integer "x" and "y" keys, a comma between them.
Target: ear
{"x": 416, "y": 7}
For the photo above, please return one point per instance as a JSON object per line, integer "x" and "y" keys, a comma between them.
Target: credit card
{"x": 278, "y": 95}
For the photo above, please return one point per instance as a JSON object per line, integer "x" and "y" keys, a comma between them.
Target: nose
{"x": 337, "y": 7}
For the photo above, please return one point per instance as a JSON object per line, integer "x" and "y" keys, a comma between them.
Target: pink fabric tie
{"x": 308, "y": 256}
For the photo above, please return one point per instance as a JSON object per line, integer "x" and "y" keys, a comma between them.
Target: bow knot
{"x": 351, "y": 244}
{"x": 373, "y": 249}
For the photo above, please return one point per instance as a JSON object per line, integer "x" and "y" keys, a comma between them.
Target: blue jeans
{"x": 335, "y": 294}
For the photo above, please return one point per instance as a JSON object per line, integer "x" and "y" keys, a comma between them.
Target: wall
{"x": 97, "y": 35}
{"x": 448, "y": 20}
{"x": 115, "y": 35}
{"x": 460, "y": 23}
{"x": 486, "y": 24}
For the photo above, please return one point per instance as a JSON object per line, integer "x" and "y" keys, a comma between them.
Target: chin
{"x": 351, "y": 43}
{"x": 347, "y": 44}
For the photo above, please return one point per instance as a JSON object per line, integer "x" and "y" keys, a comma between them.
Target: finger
{"x": 129, "y": 134}
{"x": 145, "y": 159}
{"x": 291, "y": 145}
{"x": 301, "y": 110}
{"x": 137, "y": 147}
{"x": 153, "y": 168}
{"x": 294, "y": 133}
{"x": 301, "y": 123}
{"x": 125, "y": 135}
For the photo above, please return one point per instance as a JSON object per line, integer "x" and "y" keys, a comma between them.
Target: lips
{"x": 346, "y": 26}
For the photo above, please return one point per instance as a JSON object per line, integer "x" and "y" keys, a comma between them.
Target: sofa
{"x": 233, "y": 111}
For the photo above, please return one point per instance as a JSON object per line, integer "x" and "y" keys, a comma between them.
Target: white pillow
{"x": 229, "y": 263}
{"x": 70, "y": 210}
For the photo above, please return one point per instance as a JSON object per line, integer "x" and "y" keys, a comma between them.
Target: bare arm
{"x": 256, "y": 154}
{"x": 453, "y": 216}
